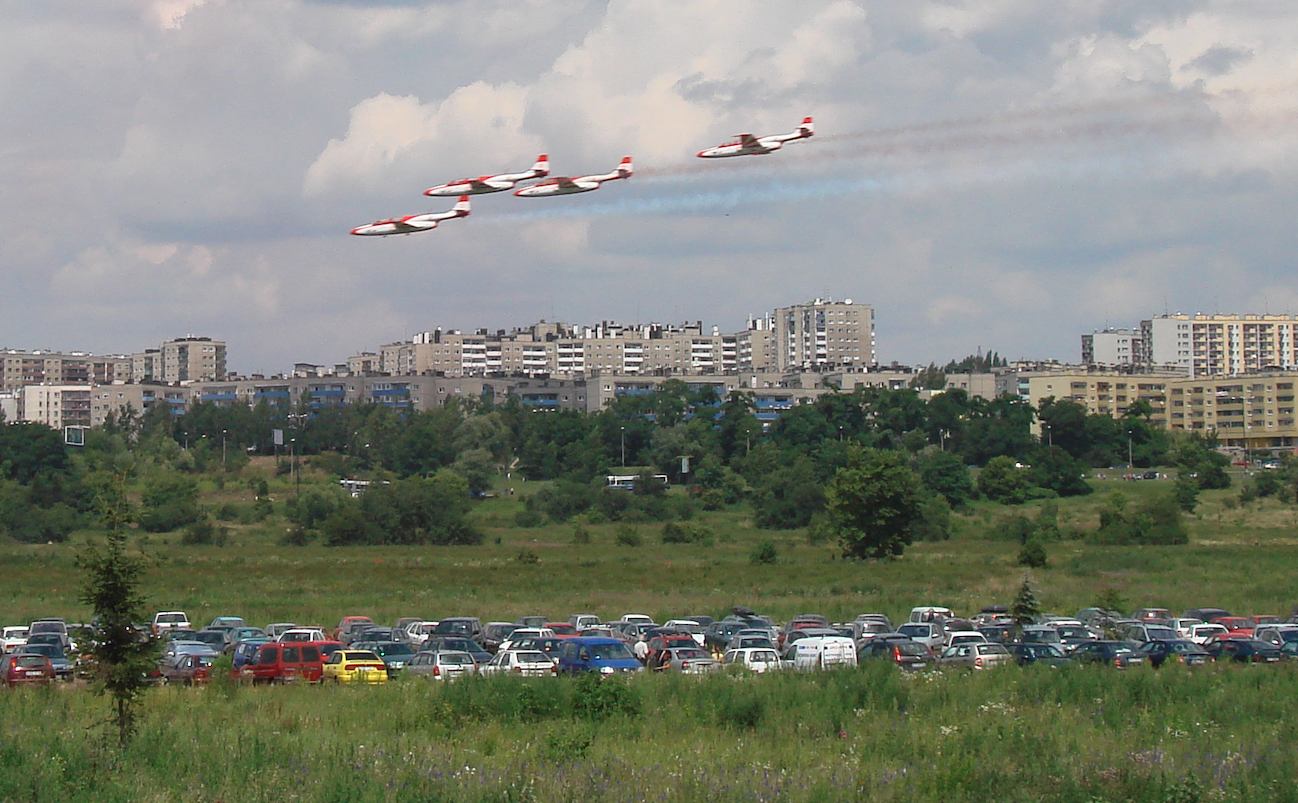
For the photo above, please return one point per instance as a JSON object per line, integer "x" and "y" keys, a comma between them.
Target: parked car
{"x": 63, "y": 668}
{"x": 522, "y": 663}
{"x": 348, "y": 626}
{"x": 1138, "y": 634}
{"x": 753, "y": 659}
{"x": 13, "y": 638}
{"x": 606, "y": 656}
{"x": 1115, "y": 653}
{"x": 496, "y": 633}
{"x": 521, "y": 633}
{"x": 441, "y": 665}
{"x": 905, "y": 654}
{"x": 303, "y": 634}
{"x": 1236, "y": 626}
{"x": 1244, "y": 651}
{"x": 1043, "y": 653}
{"x": 926, "y": 633}
{"x": 458, "y": 644}
{"x": 1206, "y": 614}
{"x": 227, "y": 621}
{"x": 1072, "y": 635}
{"x": 239, "y": 634}
{"x": 930, "y": 613}
{"x": 1202, "y": 634}
{"x": 27, "y": 669}
{"x": 581, "y": 621}
{"x": 822, "y": 652}
{"x": 187, "y": 669}
{"x": 243, "y": 652}
{"x": 277, "y": 662}
{"x": 395, "y": 654}
{"x": 169, "y": 620}
{"x": 975, "y": 655}
{"x": 1001, "y": 634}
{"x": 1153, "y": 616}
{"x": 186, "y": 647}
{"x": 686, "y": 660}
{"x": 274, "y": 630}
{"x": 718, "y": 634}
{"x": 1182, "y": 625}
{"x": 1276, "y": 635}
{"x": 354, "y": 666}
{"x": 466, "y": 626}
{"x": 1182, "y": 651}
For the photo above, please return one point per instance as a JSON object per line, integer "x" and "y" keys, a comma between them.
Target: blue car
{"x": 245, "y": 650}
{"x": 607, "y": 656}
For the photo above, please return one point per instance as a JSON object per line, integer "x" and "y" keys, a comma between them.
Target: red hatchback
{"x": 20, "y": 670}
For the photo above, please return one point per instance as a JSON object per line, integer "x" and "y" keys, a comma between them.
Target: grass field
{"x": 1226, "y": 733}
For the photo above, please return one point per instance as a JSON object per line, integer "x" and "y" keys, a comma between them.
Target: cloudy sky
{"x": 1003, "y": 174}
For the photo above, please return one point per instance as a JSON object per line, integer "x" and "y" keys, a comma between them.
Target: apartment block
{"x": 824, "y": 334}
{"x": 1254, "y": 411}
{"x": 1113, "y": 347}
{"x": 193, "y": 359}
{"x": 20, "y": 368}
{"x": 57, "y": 406}
{"x": 1100, "y": 392}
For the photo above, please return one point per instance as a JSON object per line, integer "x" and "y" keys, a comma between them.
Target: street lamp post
{"x": 223, "y": 434}
{"x": 623, "y": 446}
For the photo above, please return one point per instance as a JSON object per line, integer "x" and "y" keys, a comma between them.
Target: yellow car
{"x": 354, "y": 666}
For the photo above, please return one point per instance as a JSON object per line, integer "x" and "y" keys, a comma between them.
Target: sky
{"x": 988, "y": 174}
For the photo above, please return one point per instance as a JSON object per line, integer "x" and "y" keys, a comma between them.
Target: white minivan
{"x": 824, "y": 652}
{"x": 169, "y": 620}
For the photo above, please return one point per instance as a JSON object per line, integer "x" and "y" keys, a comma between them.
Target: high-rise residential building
{"x": 1113, "y": 347}
{"x": 193, "y": 359}
{"x": 58, "y": 406}
{"x": 824, "y": 334}
{"x": 20, "y": 368}
{"x": 1222, "y": 345}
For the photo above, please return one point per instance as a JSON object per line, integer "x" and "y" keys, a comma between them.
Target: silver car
{"x": 523, "y": 663}
{"x": 975, "y": 656}
{"x": 442, "y": 665}
{"x": 686, "y": 660}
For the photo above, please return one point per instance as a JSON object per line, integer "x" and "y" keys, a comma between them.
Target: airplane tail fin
{"x": 542, "y": 166}
{"x": 807, "y": 128}
{"x": 624, "y": 168}
{"x": 462, "y": 206}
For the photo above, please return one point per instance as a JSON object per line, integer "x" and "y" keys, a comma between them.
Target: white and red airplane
{"x": 485, "y": 184}
{"x": 749, "y": 145}
{"x": 413, "y": 223}
{"x": 564, "y": 185}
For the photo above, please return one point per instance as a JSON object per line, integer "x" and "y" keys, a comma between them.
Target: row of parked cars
{"x": 359, "y": 650}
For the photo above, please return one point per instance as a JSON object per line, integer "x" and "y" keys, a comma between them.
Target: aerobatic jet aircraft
{"x": 749, "y": 145}
{"x": 564, "y": 185}
{"x": 485, "y": 184}
{"x": 413, "y": 223}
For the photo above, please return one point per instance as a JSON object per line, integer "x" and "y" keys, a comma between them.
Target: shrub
{"x": 626, "y": 535}
{"x": 596, "y": 698}
{"x": 580, "y": 535}
{"x": 296, "y": 536}
{"x": 934, "y": 522}
{"x": 686, "y": 533}
{"x": 1002, "y": 481}
{"x": 528, "y": 518}
{"x": 566, "y": 743}
{"x": 1033, "y": 555}
{"x": 527, "y": 557}
{"x": 1154, "y": 521}
{"x": 765, "y": 553}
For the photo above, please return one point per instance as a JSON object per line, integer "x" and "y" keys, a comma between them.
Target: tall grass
{"x": 1225, "y": 733}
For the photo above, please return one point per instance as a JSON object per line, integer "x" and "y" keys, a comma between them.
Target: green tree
{"x": 1001, "y": 480}
{"x": 944, "y": 473}
{"x": 934, "y": 523}
{"x": 1057, "y": 470}
{"x": 1025, "y": 608}
{"x": 122, "y": 655}
{"x": 1186, "y": 491}
{"x": 1033, "y": 555}
{"x": 873, "y": 504}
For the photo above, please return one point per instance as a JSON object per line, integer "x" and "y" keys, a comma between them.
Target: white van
{"x": 929, "y": 613}
{"x": 824, "y": 652}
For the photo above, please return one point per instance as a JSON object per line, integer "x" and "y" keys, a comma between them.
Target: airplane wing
{"x": 566, "y": 183}
{"x": 749, "y": 141}
{"x": 479, "y": 184}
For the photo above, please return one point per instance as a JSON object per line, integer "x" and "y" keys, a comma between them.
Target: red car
{"x": 562, "y": 629}
{"x": 187, "y": 669}
{"x": 1237, "y": 626}
{"x": 283, "y": 662}
{"x": 28, "y": 668}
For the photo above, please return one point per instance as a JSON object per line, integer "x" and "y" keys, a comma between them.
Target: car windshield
{"x": 763, "y": 656}
{"x": 29, "y": 661}
{"x": 215, "y": 637}
{"x": 171, "y": 618}
{"x": 453, "y": 627}
{"x": 610, "y": 652}
{"x": 1073, "y": 632}
{"x": 458, "y": 658}
{"x": 909, "y": 648}
{"x": 393, "y": 649}
{"x": 691, "y": 654}
{"x": 48, "y": 627}
{"x": 991, "y": 649}
{"x": 1186, "y": 647}
{"x": 48, "y": 650}
{"x": 532, "y": 658}
{"x": 914, "y": 630}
